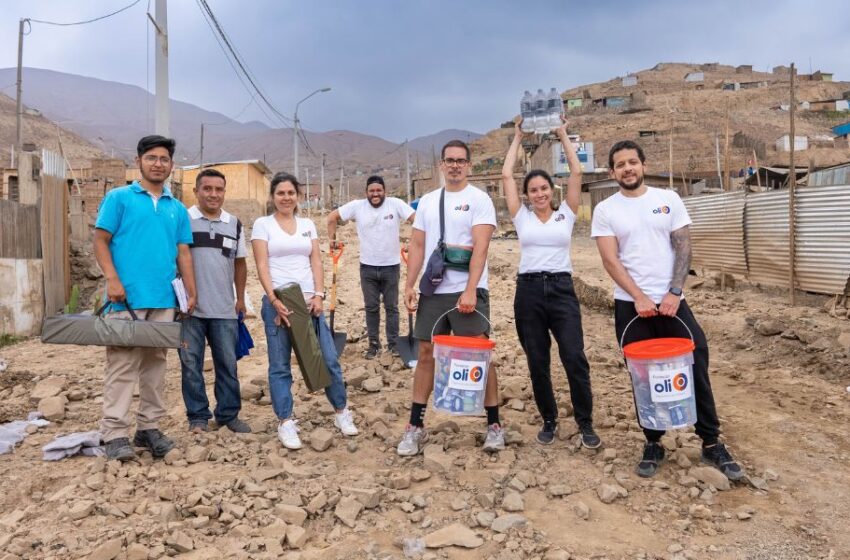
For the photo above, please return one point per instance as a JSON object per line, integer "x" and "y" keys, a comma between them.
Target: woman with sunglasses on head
{"x": 286, "y": 250}
{"x": 545, "y": 301}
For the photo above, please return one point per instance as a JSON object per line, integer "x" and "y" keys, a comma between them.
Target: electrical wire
{"x": 236, "y": 70}
{"x": 228, "y": 44}
{"x": 66, "y": 24}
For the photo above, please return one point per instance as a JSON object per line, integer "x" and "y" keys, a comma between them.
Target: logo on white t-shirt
{"x": 305, "y": 234}
{"x": 560, "y": 218}
{"x": 462, "y": 207}
{"x": 388, "y": 217}
{"x": 661, "y": 210}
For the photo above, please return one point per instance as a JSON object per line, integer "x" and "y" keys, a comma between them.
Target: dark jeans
{"x": 378, "y": 282}
{"x": 222, "y": 336}
{"x": 707, "y": 426}
{"x": 544, "y": 303}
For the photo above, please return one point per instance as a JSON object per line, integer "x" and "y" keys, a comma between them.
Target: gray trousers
{"x": 380, "y": 282}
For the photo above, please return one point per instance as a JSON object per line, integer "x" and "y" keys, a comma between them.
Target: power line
{"x": 233, "y": 66}
{"x": 241, "y": 63}
{"x": 65, "y": 24}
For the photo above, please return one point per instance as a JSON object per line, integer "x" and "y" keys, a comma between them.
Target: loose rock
{"x": 453, "y": 535}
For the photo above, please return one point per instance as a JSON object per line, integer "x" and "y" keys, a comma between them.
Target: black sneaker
{"x": 119, "y": 449}
{"x": 589, "y": 438}
{"x": 239, "y": 426}
{"x": 394, "y": 352}
{"x": 719, "y": 457}
{"x": 158, "y": 443}
{"x": 199, "y": 427}
{"x": 653, "y": 456}
{"x": 546, "y": 435}
{"x": 370, "y": 353}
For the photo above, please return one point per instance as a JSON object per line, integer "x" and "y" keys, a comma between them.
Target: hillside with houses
{"x": 694, "y": 103}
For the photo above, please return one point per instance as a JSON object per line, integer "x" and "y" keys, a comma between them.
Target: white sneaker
{"x": 411, "y": 441}
{"x": 287, "y": 433}
{"x": 495, "y": 440}
{"x": 345, "y": 422}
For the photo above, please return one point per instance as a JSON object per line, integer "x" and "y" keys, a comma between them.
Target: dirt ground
{"x": 782, "y": 399}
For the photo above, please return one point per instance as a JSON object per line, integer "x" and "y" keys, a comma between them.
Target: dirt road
{"x": 782, "y": 399}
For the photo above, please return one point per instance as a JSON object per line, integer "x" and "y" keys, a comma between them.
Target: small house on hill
{"x": 709, "y": 66}
{"x": 247, "y": 187}
{"x": 820, "y": 76}
{"x": 783, "y": 143}
{"x": 781, "y": 70}
{"x": 630, "y": 80}
{"x": 744, "y": 69}
{"x": 695, "y": 77}
{"x": 830, "y": 105}
{"x": 574, "y": 103}
{"x": 842, "y": 130}
{"x": 612, "y": 101}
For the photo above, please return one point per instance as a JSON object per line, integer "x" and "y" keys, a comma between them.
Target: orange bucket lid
{"x": 464, "y": 342}
{"x": 658, "y": 348}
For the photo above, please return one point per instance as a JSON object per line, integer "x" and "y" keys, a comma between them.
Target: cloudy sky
{"x": 407, "y": 68}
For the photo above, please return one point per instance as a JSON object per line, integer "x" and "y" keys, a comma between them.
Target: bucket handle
{"x": 455, "y": 308}
{"x": 623, "y": 337}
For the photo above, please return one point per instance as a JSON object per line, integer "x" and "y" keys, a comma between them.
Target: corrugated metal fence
{"x": 717, "y": 232}
{"x": 747, "y": 234}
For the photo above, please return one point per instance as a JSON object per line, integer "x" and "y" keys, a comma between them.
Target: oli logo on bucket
{"x": 467, "y": 375}
{"x": 669, "y": 385}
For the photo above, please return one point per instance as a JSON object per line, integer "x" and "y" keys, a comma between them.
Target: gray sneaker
{"x": 495, "y": 440}
{"x": 238, "y": 426}
{"x": 119, "y": 449}
{"x": 411, "y": 441}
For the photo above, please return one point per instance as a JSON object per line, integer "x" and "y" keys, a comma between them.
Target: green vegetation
{"x": 74, "y": 301}
{"x": 9, "y": 339}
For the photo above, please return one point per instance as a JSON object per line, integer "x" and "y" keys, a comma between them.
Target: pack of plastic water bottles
{"x": 541, "y": 113}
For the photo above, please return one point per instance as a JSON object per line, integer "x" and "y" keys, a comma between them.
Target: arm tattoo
{"x": 681, "y": 241}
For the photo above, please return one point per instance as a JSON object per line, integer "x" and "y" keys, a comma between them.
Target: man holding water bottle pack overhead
{"x": 452, "y": 232}
{"x": 643, "y": 238}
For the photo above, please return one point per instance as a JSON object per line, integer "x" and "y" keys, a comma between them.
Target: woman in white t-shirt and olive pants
{"x": 286, "y": 249}
{"x": 545, "y": 300}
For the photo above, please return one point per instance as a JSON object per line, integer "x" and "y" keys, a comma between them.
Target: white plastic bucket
{"x": 662, "y": 380}
{"x": 461, "y": 365}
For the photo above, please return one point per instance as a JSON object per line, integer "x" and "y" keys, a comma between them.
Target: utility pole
{"x": 322, "y": 179}
{"x": 295, "y": 146}
{"x": 161, "y": 26}
{"x": 792, "y": 192}
{"x": 727, "y": 180}
{"x": 201, "y": 163}
{"x": 717, "y": 159}
{"x": 670, "y": 157}
{"x": 307, "y": 173}
{"x": 407, "y": 164}
{"x": 339, "y": 190}
{"x": 20, "y": 108}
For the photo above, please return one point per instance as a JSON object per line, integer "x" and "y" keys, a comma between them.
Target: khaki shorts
{"x": 428, "y": 316}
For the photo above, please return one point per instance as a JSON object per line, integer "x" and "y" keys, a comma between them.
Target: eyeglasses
{"x": 452, "y": 161}
{"x": 164, "y": 160}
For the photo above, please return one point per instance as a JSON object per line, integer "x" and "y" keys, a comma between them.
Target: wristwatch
{"x": 322, "y": 294}
{"x": 676, "y": 291}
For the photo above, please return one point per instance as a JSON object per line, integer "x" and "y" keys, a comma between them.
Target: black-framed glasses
{"x": 452, "y": 161}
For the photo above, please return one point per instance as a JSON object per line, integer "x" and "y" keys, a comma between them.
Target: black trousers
{"x": 380, "y": 282}
{"x": 707, "y": 426}
{"x": 544, "y": 303}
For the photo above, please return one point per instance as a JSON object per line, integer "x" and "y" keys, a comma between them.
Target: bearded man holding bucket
{"x": 643, "y": 238}
{"x": 452, "y": 230}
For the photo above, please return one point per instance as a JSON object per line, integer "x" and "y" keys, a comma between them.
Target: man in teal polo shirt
{"x": 141, "y": 239}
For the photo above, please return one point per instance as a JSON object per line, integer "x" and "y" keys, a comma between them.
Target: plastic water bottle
{"x": 541, "y": 119}
{"x": 555, "y": 108}
{"x": 526, "y": 109}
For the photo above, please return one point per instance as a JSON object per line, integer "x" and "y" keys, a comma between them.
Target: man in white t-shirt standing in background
{"x": 470, "y": 220}
{"x": 644, "y": 241}
{"x": 378, "y": 223}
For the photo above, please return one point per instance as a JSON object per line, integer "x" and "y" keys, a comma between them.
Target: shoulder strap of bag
{"x": 442, "y": 241}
